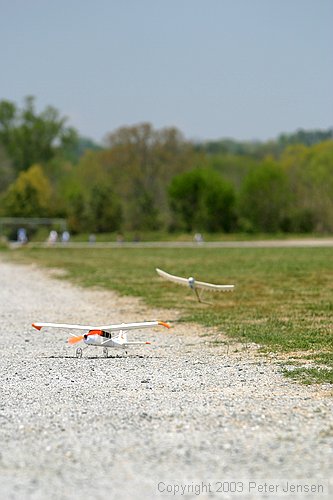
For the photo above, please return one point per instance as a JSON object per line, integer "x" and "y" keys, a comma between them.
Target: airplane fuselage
{"x": 99, "y": 340}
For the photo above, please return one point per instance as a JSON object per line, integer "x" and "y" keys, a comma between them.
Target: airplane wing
{"x": 107, "y": 328}
{"x": 171, "y": 277}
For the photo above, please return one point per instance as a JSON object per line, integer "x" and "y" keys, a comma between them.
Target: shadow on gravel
{"x": 101, "y": 358}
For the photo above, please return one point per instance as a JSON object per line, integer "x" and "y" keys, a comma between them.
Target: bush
{"x": 202, "y": 200}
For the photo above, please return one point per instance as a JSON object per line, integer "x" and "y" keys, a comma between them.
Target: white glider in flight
{"x": 194, "y": 284}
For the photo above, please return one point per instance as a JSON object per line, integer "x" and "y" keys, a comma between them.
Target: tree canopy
{"x": 144, "y": 178}
{"x": 202, "y": 200}
{"x": 29, "y": 137}
{"x": 29, "y": 196}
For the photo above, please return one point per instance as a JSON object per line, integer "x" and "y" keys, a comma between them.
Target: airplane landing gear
{"x": 78, "y": 352}
{"x": 105, "y": 352}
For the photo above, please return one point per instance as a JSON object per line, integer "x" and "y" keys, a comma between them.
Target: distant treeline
{"x": 147, "y": 179}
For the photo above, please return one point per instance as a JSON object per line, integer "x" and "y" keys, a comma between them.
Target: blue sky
{"x": 246, "y": 69}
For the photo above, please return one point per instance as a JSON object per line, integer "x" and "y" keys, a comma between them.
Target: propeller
{"x": 73, "y": 340}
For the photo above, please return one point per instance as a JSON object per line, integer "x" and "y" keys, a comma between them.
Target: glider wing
{"x": 198, "y": 284}
{"x": 214, "y": 288}
{"x": 171, "y": 277}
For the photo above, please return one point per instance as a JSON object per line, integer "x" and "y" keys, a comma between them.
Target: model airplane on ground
{"x": 195, "y": 285}
{"x": 102, "y": 336}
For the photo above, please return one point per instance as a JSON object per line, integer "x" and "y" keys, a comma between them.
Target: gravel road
{"x": 181, "y": 413}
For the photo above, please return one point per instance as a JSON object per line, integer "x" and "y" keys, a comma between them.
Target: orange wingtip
{"x": 73, "y": 340}
{"x": 37, "y": 327}
{"x": 164, "y": 324}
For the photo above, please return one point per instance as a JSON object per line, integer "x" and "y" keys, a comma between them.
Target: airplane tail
{"x": 123, "y": 336}
{"x": 121, "y": 340}
{"x": 137, "y": 343}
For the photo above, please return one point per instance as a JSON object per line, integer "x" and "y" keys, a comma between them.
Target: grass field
{"x": 283, "y": 298}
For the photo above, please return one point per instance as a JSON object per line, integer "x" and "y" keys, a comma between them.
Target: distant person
{"x": 65, "y": 237}
{"x": 92, "y": 238}
{"x": 53, "y": 237}
{"x": 198, "y": 238}
{"x": 22, "y": 236}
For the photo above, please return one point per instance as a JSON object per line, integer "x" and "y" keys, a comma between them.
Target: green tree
{"x": 91, "y": 198}
{"x": 29, "y": 196}
{"x": 310, "y": 174}
{"x": 76, "y": 211}
{"x": 142, "y": 162}
{"x": 202, "y": 200}
{"x": 233, "y": 168}
{"x": 29, "y": 137}
{"x": 103, "y": 209}
{"x": 7, "y": 173}
{"x": 264, "y": 199}
{"x": 260, "y": 150}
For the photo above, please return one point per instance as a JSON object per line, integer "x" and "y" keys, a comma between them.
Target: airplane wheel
{"x": 105, "y": 352}
{"x": 78, "y": 352}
